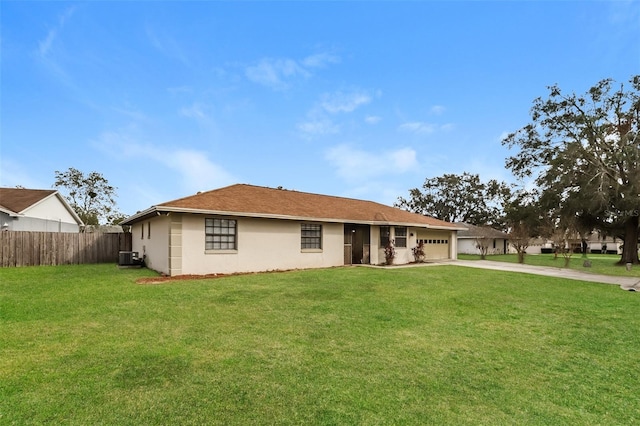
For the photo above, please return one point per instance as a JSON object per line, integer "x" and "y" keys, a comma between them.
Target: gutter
{"x": 158, "y": 210}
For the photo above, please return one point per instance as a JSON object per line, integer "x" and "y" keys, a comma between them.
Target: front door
{"x": 356, "y": 244}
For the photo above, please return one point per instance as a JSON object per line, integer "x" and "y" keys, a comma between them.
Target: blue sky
{"x": 358, "y": 99}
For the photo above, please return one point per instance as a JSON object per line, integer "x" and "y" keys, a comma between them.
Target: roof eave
{"x": 9, "y": 212}
{"x": 158, "y": 210}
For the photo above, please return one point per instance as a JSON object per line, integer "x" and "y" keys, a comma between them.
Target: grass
{"x": 600, "y": 263}
{"x": 434, "y": 345}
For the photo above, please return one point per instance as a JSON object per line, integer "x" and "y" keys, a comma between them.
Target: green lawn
{"x": 86, "y": 345}
{"x": 600, "y": 263}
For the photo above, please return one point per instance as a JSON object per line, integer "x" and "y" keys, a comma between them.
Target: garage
{"x": 436, "y": 243}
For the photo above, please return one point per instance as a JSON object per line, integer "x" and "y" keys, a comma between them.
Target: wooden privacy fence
{"x": 22, "y": 248}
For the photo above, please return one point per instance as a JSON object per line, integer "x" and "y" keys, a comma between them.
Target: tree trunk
{"x": 630, "y": 246}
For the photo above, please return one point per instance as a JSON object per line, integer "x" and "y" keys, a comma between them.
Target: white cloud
{"x": 280, "y": 73}
{"x": 418, "y": 127}
{"x": 319, "y": 119}
{"x": 275, "y": 73}
{"x": 178, "y": 90}
{"x": 372, "y": 119}
{"x": 195, "y": 170}
{"x": 339, "y": 101}
{"x": 131, "y": 112}
{"x": 423, "y": 128}
{"x": 13, "y": 173}
{"x": 357, "y": 165}
{"x": 45, "y": 46}
{"x": 167, "y": 45}
{"x": 320, "y": 60}
{"x": 196, "y": 110}
{"x": 437, "y": 109}
{"x": 403, "y": 159}
{"x": 318, "y": 127}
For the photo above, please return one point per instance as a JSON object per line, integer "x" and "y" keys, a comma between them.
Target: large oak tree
{"x": 460, "y": 198}
{"x": 90, "y": 195}
{"x": 584, "y": 153}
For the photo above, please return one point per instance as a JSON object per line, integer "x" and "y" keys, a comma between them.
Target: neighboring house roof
{"x": 473, "y": 231}
{"x": 257, "y": 201}
{"x": 16, "y": 201}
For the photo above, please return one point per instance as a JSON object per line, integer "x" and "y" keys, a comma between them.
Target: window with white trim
{"x": 220, "y": 234}
{"x": 310, "y": 236}
{"x": 401, "y": 236}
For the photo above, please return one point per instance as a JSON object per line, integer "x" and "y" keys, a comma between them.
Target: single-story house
{"x": 246, "y": 228}
{"x": 498, "y": 241}
{"x": 596, "y": 243}
{"x": 43, "y": 210}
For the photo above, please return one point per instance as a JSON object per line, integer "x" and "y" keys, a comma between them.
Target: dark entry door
{"x": 356, "y": 242}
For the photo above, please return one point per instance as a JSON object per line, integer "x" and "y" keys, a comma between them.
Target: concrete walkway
{"x": 625, "y": 283}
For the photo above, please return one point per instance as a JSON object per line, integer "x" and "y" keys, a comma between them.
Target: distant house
{"x": 245, "y": 228}
{"x": 598, "y": 244}
{"x": 468, "y": 239}
{"x": 42, "y": 210}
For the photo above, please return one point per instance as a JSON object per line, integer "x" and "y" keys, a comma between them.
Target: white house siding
{"x": 154, "y": 247}
{"x": 49, "y": 215}
{"x": 50, "y": 208}
{"x": 263, "y": 245}
{"x": 37, "y": 225}
{"x": 469, "y": 246}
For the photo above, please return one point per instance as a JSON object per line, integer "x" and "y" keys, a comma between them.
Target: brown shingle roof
{"x": 479, "y": 231}
{"x": 251, "y": 200}
{"x": 18, "y": 199}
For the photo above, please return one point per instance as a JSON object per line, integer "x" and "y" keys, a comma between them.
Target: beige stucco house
{"x": 245, "y": 228}
{"x": 40, "y": 210}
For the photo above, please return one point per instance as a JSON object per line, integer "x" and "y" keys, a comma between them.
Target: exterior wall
{"x": 453, "y": 245}
{"x": 404, "y": 255}
{"x": 50, "y": 209}
{"x": 263, "y": 245}
{"x": 32, "y": 224}
{"x": 154, "y": 247}
{"x": 468, "y": 246}
{"x": 50, "y": 215}
{"x": 533, "y": 249}
{"x": 377, "y": 255}
{"x": 176, "y": 246}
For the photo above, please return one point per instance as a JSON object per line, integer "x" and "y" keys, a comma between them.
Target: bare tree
{"x": 520, "y": 238}
{"x": 482, "y": 240}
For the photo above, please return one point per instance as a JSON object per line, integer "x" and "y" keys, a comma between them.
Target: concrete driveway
{"x": 625, "y": 283}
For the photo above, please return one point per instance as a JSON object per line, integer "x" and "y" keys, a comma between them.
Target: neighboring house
{"x": 468, "y": 239}
{"x": 537, "y": 246}
{"x": 607, "y": 245}
{"x": 245, "y": 228}
{"x": 595, "y": 244}
{"x": 42, "y": 210}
